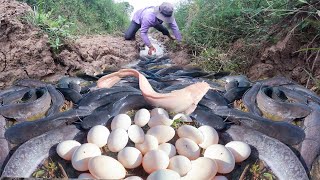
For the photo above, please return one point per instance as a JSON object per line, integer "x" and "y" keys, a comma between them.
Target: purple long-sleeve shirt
{"x": 147, "y": 18}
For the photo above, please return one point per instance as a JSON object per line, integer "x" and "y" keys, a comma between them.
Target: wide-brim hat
{"x": 164, "y": 12}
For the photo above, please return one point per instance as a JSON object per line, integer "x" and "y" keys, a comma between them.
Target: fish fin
{"x": 191, "y": 109}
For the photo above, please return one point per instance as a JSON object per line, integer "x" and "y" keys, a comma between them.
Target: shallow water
{"x": 160, "y": 50}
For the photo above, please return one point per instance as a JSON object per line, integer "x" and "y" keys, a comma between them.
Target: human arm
{"x": 175, "y": 29}
{"x": 145, "y": 25}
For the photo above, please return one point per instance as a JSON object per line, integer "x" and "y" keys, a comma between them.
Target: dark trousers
{"x": 134, "y": 27}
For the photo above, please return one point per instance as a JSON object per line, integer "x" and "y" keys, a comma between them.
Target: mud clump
{"x": 24, "y": 52}
{"x": 93, "y": 54}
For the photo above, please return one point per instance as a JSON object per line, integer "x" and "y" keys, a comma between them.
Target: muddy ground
{"x": 25, "y": 52}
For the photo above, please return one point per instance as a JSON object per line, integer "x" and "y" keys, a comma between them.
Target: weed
{"x": 49, "y": 169}
{"x": 56, "y": 29}
{"x": 177, "y": 123}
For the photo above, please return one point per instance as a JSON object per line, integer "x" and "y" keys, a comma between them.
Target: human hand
{"x": 178, "y": 45}
{"x": 171, "y": 37}
{"x": 151, "y": 48}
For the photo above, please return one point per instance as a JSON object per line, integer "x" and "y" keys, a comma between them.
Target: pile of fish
{"x": 280, "y": 118}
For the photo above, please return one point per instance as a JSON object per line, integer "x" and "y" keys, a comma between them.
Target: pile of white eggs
{"x": 152, "y": 150}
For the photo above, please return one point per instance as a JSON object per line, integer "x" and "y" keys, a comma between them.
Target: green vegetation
{"x": 259, "y": 171}
{"x": 48, "y": 170}
{"x": 211, "y": 26}
{"x": 56, "y": 29}
{"x": 61, "y": 19}
{"x": 89, "y": 16}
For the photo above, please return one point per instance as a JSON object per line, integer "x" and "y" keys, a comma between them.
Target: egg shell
{"x": 81, "y": 156}
{"x": 187, "y": 148}
{"x": 222, "y": 156}
{"x": 183, "y": 117}
{"x": 190, "y": 132}
{"x": 86, "y": 176}
{"x": 98, "y": 135}
{"x": 159, "y": 119}
{"x": 149, "y": 143}
{"x": 118, "y": 139}
{"x": 202, "y": 168}
{"x": 66, "y": 149}
{"x": 136, "y": 134}
{"x": 157, "y": 111}
{"x": 210, "y": 136}
{"x": 168, "y": 148}
{"x": 121, "y": 121}
{"x": 164, "y": 174}
{"x": 162, "y": 133}
{"x": 180, "y": 164}
{"x": 155, "y": 160}
{"x": 240, "y": 150}
{"x": 142, "y": 117}
{"x": 130, "y": 157}
{"x": 219, "y": 178}
{"x": 133, "y": 178}
{"x": 105, "y": 167}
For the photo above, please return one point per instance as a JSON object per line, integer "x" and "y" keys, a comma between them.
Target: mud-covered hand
{"x": 151, "y": 48}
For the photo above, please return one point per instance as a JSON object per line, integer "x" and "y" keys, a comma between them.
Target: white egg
{"x": 133, "y": 178}
{"x": 202, "y": 168}
{"x": 66, "y": 148}
{"x": 159, "y": 119}
{"x": 222, "y": 156}
{"x": 121, "y": 121}
{"x": 98, "y": 135}
{"x": 149, "y": 143}
{"x": 136, "y": 134}
{"x": 85, "y": 176}
{"x": 190, "y": 132}
{"x": 81, "y": 156}
{"x": 240, "y": 150}
{"x": 168, "y": 148}
{"x": 164, "y": 174}
{"x": 155, "y": 160}
{"x": 183, "y": 117}
{"x": 219, "y": 178}
{"x": 130, "y": 157}
{"x": 118, "y": 139}
{"x": 180, "y": 164}
{"x": 187, "y": 148}
{"x": 157, "y": 111}
{"x": 105, "y": 167}
{"x": 210, "y": 136}
{"x": 162, "y": 133}
{"x": 142, "y": 117}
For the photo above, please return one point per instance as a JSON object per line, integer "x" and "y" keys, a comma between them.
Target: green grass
{"x": 88, "y": 16}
